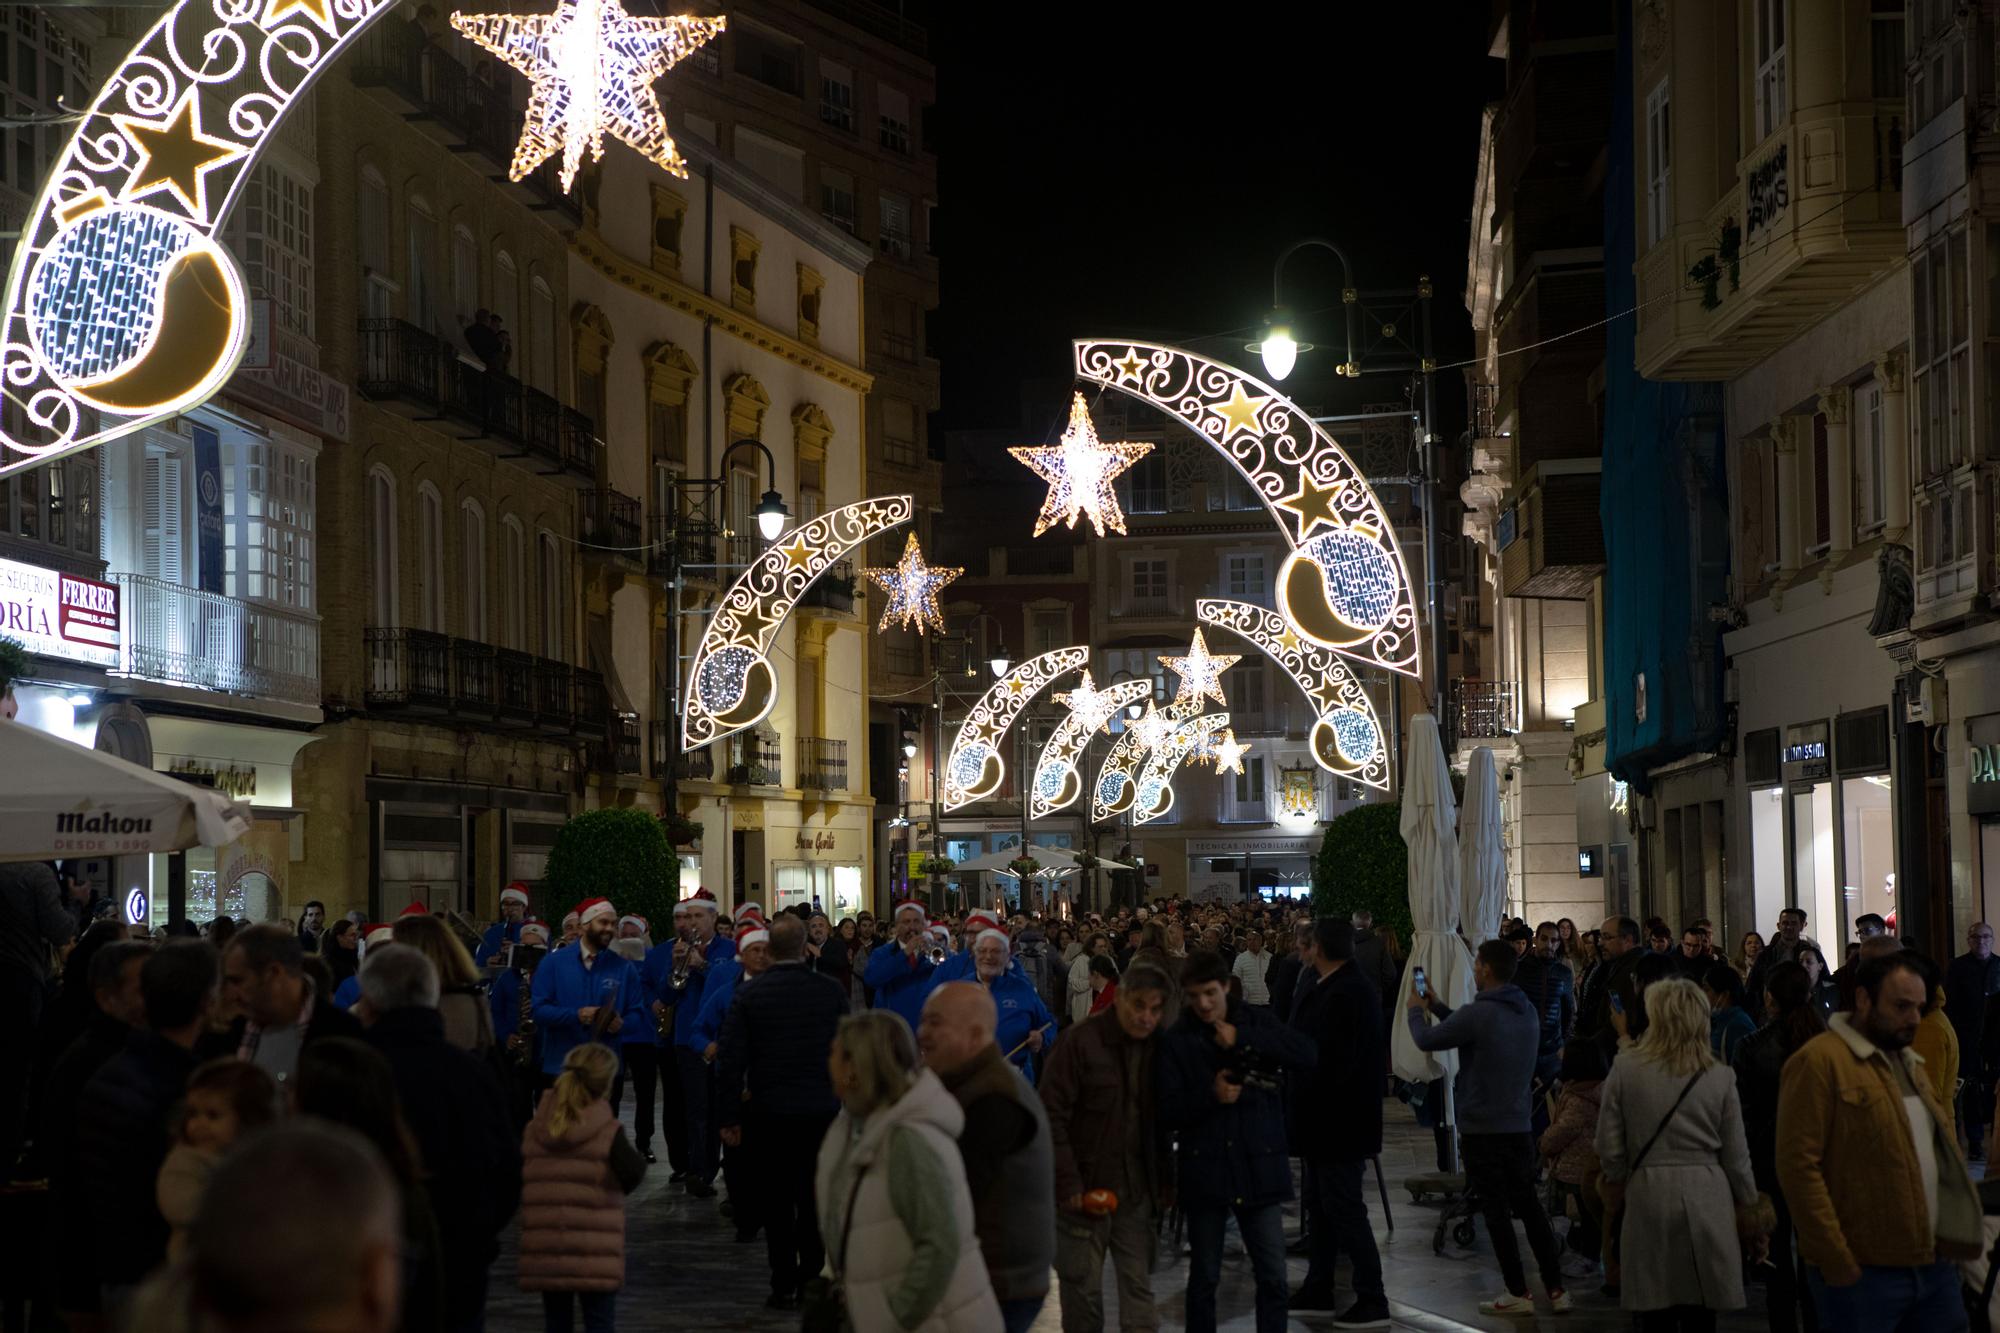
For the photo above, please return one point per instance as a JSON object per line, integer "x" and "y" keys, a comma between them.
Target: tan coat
{"x": 572, "y": 1210}
{"x": 1847, "y": 1166}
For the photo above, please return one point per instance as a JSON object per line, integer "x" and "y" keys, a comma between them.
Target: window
{"x": 1769, "y": 19}
{"x": 1145, "y": 485}
{"x": 383, "y": 597}
{"x": 666, "y": 425}
{"x": 766, "y": 57}
{"x": 1244, "y": 801}
{"x": 472, "y": 560}
{"x": 464, "y": 275}
{"x": 899, "y": 432}
{"x": 1048, "y": 630}
{"x": 1146, "y": 585}
{"x": 268, "y": 496}
{"x": 422, "y": 303}
{"x": 1820, "y": 534}
{"x": 430, "y": 568}
{"x": 1659, "y": 166}
{"x": 1885, "y": 50}
{"x": 1243, "y": 685}
{"x": 1244, "y": 576}
{"x": 1233, "y": 492}
{"x": 894, "y": 240}
{"x": 379, "y": 282}
{"x": 542, "y": 335}
{"x": 514, "y": 585}
{"x": 836, "y": 96}
{"x": 836, "y": 198}
{"x": 551, "y": 599}
{"x": 899, "y": 329}
{"x": 894, "y": 118}
{"x": 271, "y": 231}
{"x": 506, "y": 293}
{"x": 1937, "y": 60}
{"x": 162, "y": 550}
{"x": 1870, "y": 497}
{"x": 1939, "y": 354}
{"x": 772, "y": 160}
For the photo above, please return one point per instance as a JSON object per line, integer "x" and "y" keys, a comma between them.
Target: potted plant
{"x": 935, "y": 865}
{"x": 1087, "y": 861}
{"x": 681, "y": 831}
{"x": 1024, "y": 866}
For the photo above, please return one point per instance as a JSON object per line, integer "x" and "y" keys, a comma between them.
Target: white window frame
{"x": 272, "y": 231}
{"x": 1769, "y": 29}
{"x": 550, "y": 587}
{"x": 472, "y": 568}
{"x": 1246, "y": 796}
{"x": 836, "y": 96}
{"x": 1870, "y": 447}
{"x": 1940, "y": 354}
{"x": 430, "y": 565}
{"x": 1659, "y": 164}
{"x": 514, "y": 584}
{"x": 894, "y": 236}
{"x": 893, "y": 119}
{"x": 1246, "y": 576}
{"x": 385, "y": 593}
{"x": 420, "y": 245}
{"x": 464, "y": 273}
{"x": 1141, "y": 574}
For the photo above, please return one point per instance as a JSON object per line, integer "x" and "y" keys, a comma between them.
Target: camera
{"x": 1252, "y": 1069}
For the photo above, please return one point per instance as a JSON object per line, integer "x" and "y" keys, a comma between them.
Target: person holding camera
{"x": 1219, "y": 1091}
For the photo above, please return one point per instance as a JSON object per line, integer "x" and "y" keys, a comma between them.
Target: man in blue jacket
{"x": 507, "y": 930}
{"x": 959, "y": 967}
{"x": 1218, "y": 1087}
{"x": 1496, "y": 1037}
{"x": 574, "y": 986}
{"x": 703, "y": 951}
{"x": 1025, "y": 1027}
{"x": 899, "y": 971}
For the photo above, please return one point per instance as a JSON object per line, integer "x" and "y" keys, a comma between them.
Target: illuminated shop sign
{"x": 59, "y": 615}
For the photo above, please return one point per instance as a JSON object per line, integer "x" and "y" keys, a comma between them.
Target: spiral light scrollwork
{"x": 1118, "y": 777}
{"x": 1056, "y": 781}
{"x": 975, "y": 765}
{"x": 1153, "y": 796}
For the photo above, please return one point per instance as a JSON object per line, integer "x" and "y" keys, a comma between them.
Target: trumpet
{"x": 938, "y": 955}
{"x": 678, "y": 979}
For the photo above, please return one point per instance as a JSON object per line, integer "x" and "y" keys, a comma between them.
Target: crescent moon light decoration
{"x": 1118, "y": 778}
{"x": 975, "y": 768}
{"x": 1057, "y": 782}
{"x": 1347, "y": 735}
{"x": 1345, "y": 585}
{"x": 1155, "y": 794}
{"x": 731, "y": 683}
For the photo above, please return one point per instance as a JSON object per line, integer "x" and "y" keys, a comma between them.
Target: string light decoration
{"x": 1057, "y": 783}
{"x": 1200, "y": 671}
{"x": 1345, "y": 586}
{"x": 1079, "y": 470}
{"x": 1346, "y": 735}
{"x": 1117, "y": 778}
{"x": 1229, "y": 753}
{"x": 733, "y": 685}
{"x": 913, "y": 587}
{"x": 592, "y": 67}
{"x": 974, "y": 767}
{"x": 1155, "y": 793}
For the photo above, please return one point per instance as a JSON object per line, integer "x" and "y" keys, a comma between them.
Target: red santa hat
{"x": 980, "y": 918}
{"x": 414, "y": 909}
{"x": 517, "y": 892}
{"x": 634, "y": 919}
{"x": 680, "y": 909}
{"x": 911, "y": 905}
{"x": 748, "y": 912}
{"x": 991, "y": 933}
{"x": 539, "y": 929}
{"x": 590, "y": 909}
{"x": 702, "y": 901}
{"x": 755, "y": 932}
{"x": 569, "y": 918}
{"x": 940, "y": 932}
{"x": 377, "y": 932}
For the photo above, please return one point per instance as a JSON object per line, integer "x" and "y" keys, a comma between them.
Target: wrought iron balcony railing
{"x": 611, "y": 528}
{"x": 427, "y": 672}
{"x": 1484, "y": 709}
{"x": 184, "y": 636}
{"x": 822, "y": 764}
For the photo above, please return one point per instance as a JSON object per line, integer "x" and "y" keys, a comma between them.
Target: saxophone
{"x": 679, "y": 978}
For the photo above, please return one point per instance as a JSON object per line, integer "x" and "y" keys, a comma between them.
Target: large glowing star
{"x": 731, "y": 684}
{"x": 974, "y": 768}
{"x": 1344, "y": 586}
{"x": 1155, "y": 794}
{"x": 1229, "y": 753}
{"x": 913, "y": 587}
{"x": 1117, "y": 780}
{"x": 593, "y": 67}
{"x": 1346, "y": 736}
{"x": 1201, "y": 671}
{"x": 1079, "y": 470}
{"x": 1057, "y": 782}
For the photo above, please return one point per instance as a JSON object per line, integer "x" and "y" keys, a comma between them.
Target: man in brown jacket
{"x": 1098, "y": 1091}
{"x": 1881, "y": 1202}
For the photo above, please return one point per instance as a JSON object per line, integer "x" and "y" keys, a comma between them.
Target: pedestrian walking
{"x": 1970, "y": 984}
{"x": 1793, "y": 1019}
{"x": 279, "y": 1010}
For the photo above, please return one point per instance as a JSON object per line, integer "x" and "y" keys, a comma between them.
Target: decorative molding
{"x": 744, "y": 248}
{"x": 811, "y": 288}
{"x": 594, "y": 339}
{"x": 744, "y": 404}
{"x": 812, "y": 428}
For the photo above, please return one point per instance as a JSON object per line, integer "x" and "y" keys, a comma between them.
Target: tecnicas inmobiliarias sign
{"x": 59, "y": 615}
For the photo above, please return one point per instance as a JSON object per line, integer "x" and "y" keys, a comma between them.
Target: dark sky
{"x": 1110, "y": 168}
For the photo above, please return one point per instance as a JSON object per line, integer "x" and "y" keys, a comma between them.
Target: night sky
{"x": 1117, "y": 171}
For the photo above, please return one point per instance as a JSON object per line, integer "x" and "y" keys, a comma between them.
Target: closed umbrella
{"x": 1482, "y": 861}
{"x": 1435, "y": 946}
{"x": 62, "y": 800}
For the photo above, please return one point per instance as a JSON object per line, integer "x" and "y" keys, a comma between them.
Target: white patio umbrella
{"x": 62, "y": 800}
{"x": 1482, "y": 861}
{"x": 1435, "y": 945}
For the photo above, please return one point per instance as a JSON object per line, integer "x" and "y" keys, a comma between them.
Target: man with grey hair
{"x": 457, "y": 1111}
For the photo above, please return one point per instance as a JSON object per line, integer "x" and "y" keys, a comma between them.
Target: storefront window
{"x": 836, "y": 888}
{"x": 1812, "y": 865}
{"x": 962, "y": 849}
{"x": 1868, "y": 846}
{"x": 1767, "y": 857}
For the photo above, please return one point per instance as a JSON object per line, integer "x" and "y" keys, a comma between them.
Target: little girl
{"x": 225, "y": 1099}
{"x": 576, "y": 1167}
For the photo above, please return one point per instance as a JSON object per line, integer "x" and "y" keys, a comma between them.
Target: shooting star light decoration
{"x": 1346, "y": 736}
{"x": 913, "y": 587}
{"x": 974, "y": 767}
{"x": 1201, "y": 671}
{"x": 1057, "y": 782}
{"x": 1118, "y": 777}
{"x": 1079, "y": 470}
{"x": 1155, "y": 793}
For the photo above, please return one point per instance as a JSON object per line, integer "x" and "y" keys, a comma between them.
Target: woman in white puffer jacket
{"x": 893, "y": 1203}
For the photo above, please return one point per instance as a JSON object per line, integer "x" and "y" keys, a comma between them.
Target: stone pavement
{"x": 685, "y": 1271}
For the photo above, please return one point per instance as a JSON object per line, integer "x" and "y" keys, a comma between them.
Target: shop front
{"x": 1982, "y": 805}
{"x": 1822, "y": 823}
{"x": 1244, "y": 866}
{"x": 821, "y": 866}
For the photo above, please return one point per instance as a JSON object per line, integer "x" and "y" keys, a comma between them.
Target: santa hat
{"x": 680, "y": 909}
{"x": 940, "y": 932}
{"x": 569, "y": 918}
{"x": 377, "y": 932}
{"x": 635, "y": 919}
{"x": 517, "y": 892}
{"x": 911, "y": 905}
{"x": 590, "y": 909}
{"x": 747, "y": 912}
{"x": 414, "y": 909}
{"x": 991, "y": 933}
{"x": 539, "y": 929}
{"x": 756, "y": 932}
{"x": 980, "y": 918}
{"x": 702, "y": 900}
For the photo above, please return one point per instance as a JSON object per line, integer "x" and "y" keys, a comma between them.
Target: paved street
{"x": 678, "y": 1247}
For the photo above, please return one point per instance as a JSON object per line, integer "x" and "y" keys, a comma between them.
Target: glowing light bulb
{"x": 1279, "y": 351}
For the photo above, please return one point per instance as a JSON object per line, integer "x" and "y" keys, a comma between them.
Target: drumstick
{"x": 1024, "y": 1041}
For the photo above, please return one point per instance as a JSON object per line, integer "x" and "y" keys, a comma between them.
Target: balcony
{"x": 611, "y": 530}
{"x": 756, "y": 760}
{"x": 693, "y": 765}
{"x": 1556, "y": 545}
{"x": 822, "y": 764}
{"x": 418, "y": 671}
{"x": 1484, "y": 710}
{"x": 421, "y": 376}
{"x": 680, "y": 548}
{"x": 618, "y": 749}
{"x": 444, "y": 100}
{"x": 832, "y": 591}
{"x": 206, "y": 641}
{"x": 1778, "y": 251}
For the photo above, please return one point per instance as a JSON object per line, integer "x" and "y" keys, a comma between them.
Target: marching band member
{"x": 899, "y": 971}
{"x": 507, "y": 930}
{"x": 1025, "y": 1026}
{"x": 697, "y": 958}
{"x": 572, "y": 986}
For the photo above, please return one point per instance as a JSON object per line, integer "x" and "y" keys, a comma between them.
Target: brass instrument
{"x": 938, "y": 955}
{"x": 525, "y": 1031}
{"x": 679, "y": 977}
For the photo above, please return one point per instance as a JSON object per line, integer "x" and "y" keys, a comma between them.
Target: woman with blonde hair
{"x": 1671, "y": 1142}
{"x": 577, "y": 1166}
{"x": 894, "y": 1207}
{"x": 468, "y": 1018}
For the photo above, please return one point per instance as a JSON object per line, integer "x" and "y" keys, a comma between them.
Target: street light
{"x": 909, "y": 746}
{"x": 1278, "y": 348}
{"x": 770, "y": 512}
{"x": 771, "y": 515}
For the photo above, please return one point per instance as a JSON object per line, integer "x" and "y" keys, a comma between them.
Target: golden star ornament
{"x": 1093, "y": 707}
{"x": 593, "y": 67}
{"x": 1229, "y": 753}
{"x": 913, "y": 587}
{"x": 1079, "y": 470}
{"x": 175, "y": 155}
{"x": 1201, "y": 671}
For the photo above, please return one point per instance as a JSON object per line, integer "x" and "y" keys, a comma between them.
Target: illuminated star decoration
{"x": 1079, "y": 471}
{"x": 1093, "y": 707}
{"x": 1151, "y": 728}
{"x": 1201, "y": 671}
{"x": 593, "y": 67}
{"x": 175, "y": 156}
{"x": 1229, "y": 753}
{"x": 913, "y": 588}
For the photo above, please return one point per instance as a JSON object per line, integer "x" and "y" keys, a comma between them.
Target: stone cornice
{"x": 649, "y": 282}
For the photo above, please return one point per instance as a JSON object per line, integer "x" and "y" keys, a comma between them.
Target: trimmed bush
{"x": 1364, "y": 864}
{"x": 620, "y": 854}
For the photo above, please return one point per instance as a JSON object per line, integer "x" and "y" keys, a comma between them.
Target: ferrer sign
{"x": 59, "y": 615}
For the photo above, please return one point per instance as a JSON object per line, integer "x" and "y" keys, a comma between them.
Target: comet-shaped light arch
{"x": 975, "y": 768}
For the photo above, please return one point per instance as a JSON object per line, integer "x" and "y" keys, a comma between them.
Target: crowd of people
{"x": 932, "y": 1121}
